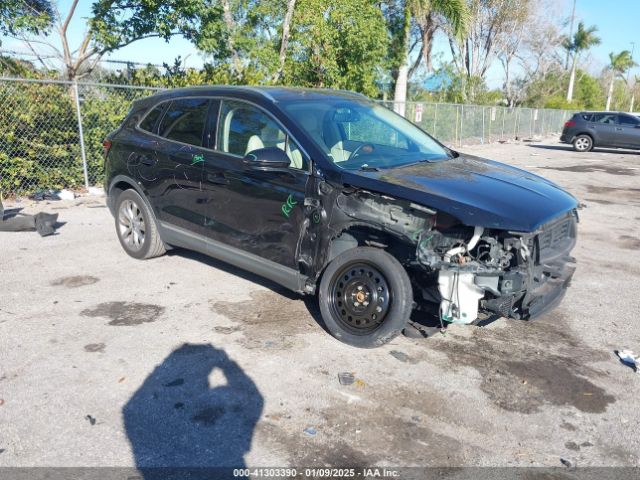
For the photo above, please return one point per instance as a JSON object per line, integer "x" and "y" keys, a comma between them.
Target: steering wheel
{"x": 366, "y": 148}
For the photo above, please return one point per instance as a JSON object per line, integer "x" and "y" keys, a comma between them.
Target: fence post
{"x": 461, "y": 122}
{"x": 76, "y": 96}
{"x": 435, "y": 120}
{"x": 483, "y": 125}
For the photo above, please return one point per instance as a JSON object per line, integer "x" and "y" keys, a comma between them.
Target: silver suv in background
{"x": 586, "y": 130}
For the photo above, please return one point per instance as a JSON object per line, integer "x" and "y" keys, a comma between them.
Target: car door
{"x": 177, "y": 193}
{"x": 629, "y": 130}
{"x": 260, "y": 212}
{"x": 605, "y": 129}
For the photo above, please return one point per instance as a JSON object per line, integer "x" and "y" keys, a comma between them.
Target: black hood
{"x": 478, "y": 192}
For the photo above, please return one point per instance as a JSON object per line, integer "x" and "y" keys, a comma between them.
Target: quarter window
{"x": 151, "y": 119}
{"x": 243, "y": 128}
{"x": 184, "y": 121}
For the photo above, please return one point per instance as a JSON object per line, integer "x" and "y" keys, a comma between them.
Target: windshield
{"x": 357, "y": 135}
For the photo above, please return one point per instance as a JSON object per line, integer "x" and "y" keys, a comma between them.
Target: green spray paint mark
{"x": 288, "y": 206}
{"x": 197, "y": 159}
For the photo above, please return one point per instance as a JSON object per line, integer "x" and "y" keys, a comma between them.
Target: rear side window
{"x": 584, "y": 116}
{"x": 184, "y": 121}
{"x": 151, "y": 119}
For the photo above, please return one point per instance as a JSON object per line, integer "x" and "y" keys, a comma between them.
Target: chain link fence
{"x": 457, "y": 124}
{"x": 51, "y": 132}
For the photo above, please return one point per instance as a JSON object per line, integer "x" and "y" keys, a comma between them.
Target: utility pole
{"x": 573, "y": 16}
{"x": 633, "y": 97}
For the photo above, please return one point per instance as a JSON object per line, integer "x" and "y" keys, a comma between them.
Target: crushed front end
{"x": 513, "y": 274}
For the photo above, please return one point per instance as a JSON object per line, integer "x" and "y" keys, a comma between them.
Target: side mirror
{"x": 270, "y": 158}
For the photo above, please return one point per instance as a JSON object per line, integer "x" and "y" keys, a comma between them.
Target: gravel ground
{"x": 183, "y": 360}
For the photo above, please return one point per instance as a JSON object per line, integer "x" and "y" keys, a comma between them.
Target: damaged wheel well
{"x": 365, "y": 236}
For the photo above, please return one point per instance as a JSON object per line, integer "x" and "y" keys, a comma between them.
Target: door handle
{"x": 145, "y": 160}
{"x": 217, "y": 178}
{"x": 619, "y": 129}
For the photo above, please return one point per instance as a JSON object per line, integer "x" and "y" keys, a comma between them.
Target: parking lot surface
{"x": 185, "y": 361}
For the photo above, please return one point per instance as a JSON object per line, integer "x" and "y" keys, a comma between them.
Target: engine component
{"x": 460, "y": 295}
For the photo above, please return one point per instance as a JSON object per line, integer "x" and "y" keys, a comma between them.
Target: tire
{"x": 365, "y": 297}
{"x": 142, "y": 241}
{"x": 583, "y": 143}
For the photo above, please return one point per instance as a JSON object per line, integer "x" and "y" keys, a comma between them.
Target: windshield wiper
{"x": 367, "y": 168}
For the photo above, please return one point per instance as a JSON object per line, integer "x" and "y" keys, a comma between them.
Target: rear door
{"x": 260, "y": 212}
{"x": 605, "y": 129}
{"x": 629, "y": 126}
{"x": 177, "y": 193}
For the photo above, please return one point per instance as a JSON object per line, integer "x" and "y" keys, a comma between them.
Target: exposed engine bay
{"x": 463, "y": 269}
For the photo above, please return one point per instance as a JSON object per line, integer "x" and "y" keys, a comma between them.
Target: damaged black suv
{"x": 328, "y": 193}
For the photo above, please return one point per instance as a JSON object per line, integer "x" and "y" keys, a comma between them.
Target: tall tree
{"x": 454, "y": 12}
{"x": 284, "y": 42}
{"x": 583, "y": 39}
{"x": 620, "y": 64}
{"x": 336, "y": 44}
{"x": 113, "y": 24}
{"x": 491, "y": 22}
{"x": 514, "y": 35}
{"x": 30, "y": 16}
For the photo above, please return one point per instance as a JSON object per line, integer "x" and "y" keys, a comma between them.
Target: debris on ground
{"x": 312, "y": 432}
{"x": 570, "y": 464}
{"x": 403, "y": 357}
{"x": 66, "y": 194}
{"x": 629, "y": 358}
{"x": 91, "y": 419}
{"x": 1, "y": 401}
{"x": 346, "y": 378}
{"x": 40, "y": 195}
{"x": 43, "y": 223}
{"x": 360, "y": 383}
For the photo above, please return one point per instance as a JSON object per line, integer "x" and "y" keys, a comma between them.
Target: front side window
{"x": 184, "y": 121}
{"x": 629, "y": 121}
{"x": 243, "y": 128}
{"x": 357, "y": 134}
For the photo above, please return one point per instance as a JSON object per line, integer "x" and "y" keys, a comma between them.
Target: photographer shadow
{"x": 180, "y": 426}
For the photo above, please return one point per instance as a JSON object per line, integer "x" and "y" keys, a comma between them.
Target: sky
{"x": 616, "y": 20}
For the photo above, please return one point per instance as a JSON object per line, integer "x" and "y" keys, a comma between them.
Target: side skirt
{"x": 285, "y": 276}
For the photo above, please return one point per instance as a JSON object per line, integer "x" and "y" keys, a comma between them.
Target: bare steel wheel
{"x": 360, "y": 297}
{"x": 136, "y": 227}
{"x": 365, "y": 297}
{"x": 583, "y": 143}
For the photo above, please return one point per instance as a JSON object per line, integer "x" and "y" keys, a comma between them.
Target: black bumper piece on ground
{"x": 549, "y": 293}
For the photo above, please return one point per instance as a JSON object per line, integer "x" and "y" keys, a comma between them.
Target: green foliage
{"x": 336, "y": 44}
{"x": 621, "y": 62}
{"x": 38, "y": 142}
{"x": 25, "y": 16}
{"x": 583, "y": 39}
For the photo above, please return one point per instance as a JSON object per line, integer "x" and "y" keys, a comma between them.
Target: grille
{"x": 557, "y": 238}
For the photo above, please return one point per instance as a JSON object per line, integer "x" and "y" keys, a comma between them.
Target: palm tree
{"x": 619, "y": 65}
{"x": 455, "y": 12}
{"x": 582, "y": 40}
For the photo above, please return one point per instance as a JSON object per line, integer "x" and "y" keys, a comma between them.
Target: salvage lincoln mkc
{"x": 328, "y": 193}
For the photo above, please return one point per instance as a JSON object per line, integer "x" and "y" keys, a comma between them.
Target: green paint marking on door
{"x": 197, "y": 159}
{"x": 288, "y": 206}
